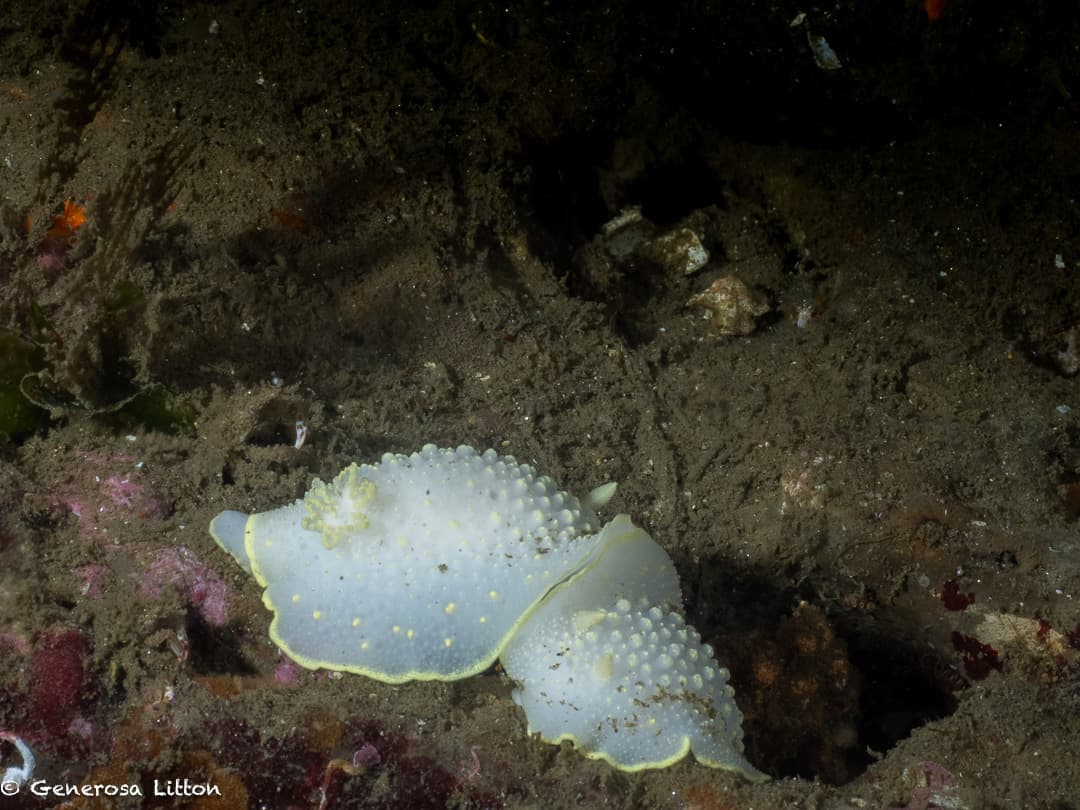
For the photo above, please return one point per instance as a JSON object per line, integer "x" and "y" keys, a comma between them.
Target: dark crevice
{"x": 822, "y": 696}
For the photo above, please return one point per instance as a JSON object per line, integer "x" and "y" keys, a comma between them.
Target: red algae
{"x": 979, "y": 659}
{"x": 953, "y": 599}
{"x": 59, "y": 686}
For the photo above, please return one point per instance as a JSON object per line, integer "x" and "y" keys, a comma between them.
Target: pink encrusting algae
{"x": 180, "y": 567}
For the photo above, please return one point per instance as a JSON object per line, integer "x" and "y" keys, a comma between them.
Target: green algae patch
{"x": 19, "y": 417}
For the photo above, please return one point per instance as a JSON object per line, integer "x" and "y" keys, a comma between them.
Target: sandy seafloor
{"x": 389, "y": 223}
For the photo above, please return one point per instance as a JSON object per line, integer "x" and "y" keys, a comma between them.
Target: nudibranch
{"x": 433, "y": 565}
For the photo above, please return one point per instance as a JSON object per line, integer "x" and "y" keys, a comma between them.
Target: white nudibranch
{"x": 433, "y": 565}
{"x": 418, "y": 567}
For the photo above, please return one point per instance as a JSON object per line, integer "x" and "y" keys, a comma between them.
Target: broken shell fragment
{"x": 824, "y": 56}
{"x": 679, "y": 251}
{"x": 733, "y": 306}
